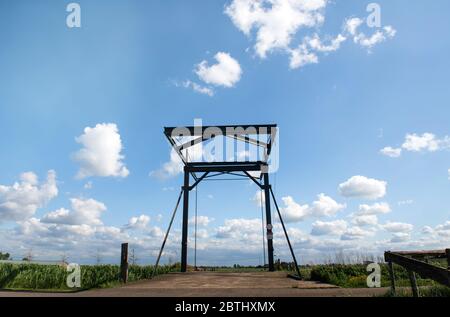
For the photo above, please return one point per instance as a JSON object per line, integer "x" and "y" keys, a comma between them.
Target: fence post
{"x": 447, "y": 251}
{"x": 392, "y": 276}
{"x": 124, "y": 263}
{"x": 413, "y": 280}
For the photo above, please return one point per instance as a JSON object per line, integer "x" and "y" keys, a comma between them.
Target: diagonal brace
{"x": 286, "y": 234}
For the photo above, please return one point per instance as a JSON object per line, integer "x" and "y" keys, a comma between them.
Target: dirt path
{"x": 211, "y": 284}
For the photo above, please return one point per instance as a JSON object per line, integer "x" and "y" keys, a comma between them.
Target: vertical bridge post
{"x": 124, "y": 263}
{"x": 268, "y": 221}
{"x": 447, "y": 252}
{"x": 184, "y": 237}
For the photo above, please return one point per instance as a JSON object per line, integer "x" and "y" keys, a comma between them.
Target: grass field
{"x": 53, "y": 277}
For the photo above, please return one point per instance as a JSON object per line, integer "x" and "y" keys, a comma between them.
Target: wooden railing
{"x": 417, "y": 262}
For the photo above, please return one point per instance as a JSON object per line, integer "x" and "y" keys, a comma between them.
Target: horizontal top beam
{"x": 225, "y": 167}
{"x": 225, "y": 129}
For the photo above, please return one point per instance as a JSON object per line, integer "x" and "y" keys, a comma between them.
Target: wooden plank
{"x": 424, "y": 253}
{"x": 447, "y": 252}
{"x": 124, "y": 263}
{"x": 392, "y": 276}
{"x": 414, "y": 287}
{"x": 425, "y": 270}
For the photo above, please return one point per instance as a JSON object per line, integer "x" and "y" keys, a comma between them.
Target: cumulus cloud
{"x": 325, "y": 206}
{"x": 374, "y": 209}
{"x": 202, "y": 221}
{"x": 174, "y": 166}
{"x": 426, "y": 142}
{"x": 442, "y": 230}
{"x": 352, "y": 26}
{"x": 21, "y": 200}
{"x": 259, "y": 198}
{"x": 399, "y": 237}
{"x": 365, "y": 220}
{"x": 391, "y": 152}
{"x": 292, "y": 211}
{"x": 275, "y": 24}
{"x": 418, "y": 143}
{"x": 137, "y": 223}
{"x": 239, "y": 229}
{"x": 198, "y": 88}
{"x": 83, "y": 212}
{"x": 276, "y": 21}
{"x": 356, "y": 233}
{"x": 398, "y": 227}
{"x": 101, "y": 152}
{"x": 169, "y": 169}
{"x": 321, "y": 228}
{"x": 226, "y": 72}
{"x": 306, "y": 52}
{"x": 363, "y": 187}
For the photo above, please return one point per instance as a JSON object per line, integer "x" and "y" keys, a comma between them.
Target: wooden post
{"x": 124, "y": 263}
{"x": 447, "y": 251}
{"x": 392, "y": 276}
{"x": 414, "y": 287}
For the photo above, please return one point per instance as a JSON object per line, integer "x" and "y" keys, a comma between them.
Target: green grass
{"x": 355, "y": 275}
{"x": 427, "y": 291}
{"x": 53, "y": 277}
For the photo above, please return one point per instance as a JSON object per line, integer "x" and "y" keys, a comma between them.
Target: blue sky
{"x": 132, "y": 64}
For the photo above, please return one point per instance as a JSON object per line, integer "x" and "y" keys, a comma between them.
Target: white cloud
{"x": 449, "y": 173}
{"x": 325, "y": 206}
{"x": 399, "y": 237}
{"x": 21, "y": 200}
{"x": 321, "y": 228}
{"x": 391, "y": 152}
{"x": 398, "y": 227}
{"x": 375, "y": 209}
{"x": 356, "y": 233}
{"x": 306, "y": 52}
{"x": 83, "y": 212}
{"x": 174, "y": 166}
{"x": 101, "y": 152}
{"x": 259, "y": 198}
{"x": 239, "y": 228}
{"x": 202, "y": 221}
{"x": 198, "y": 88}
{"x": 352, "y": 25}
{"x": 226, "y": 72}
{"x": 426, "y": 142}
{"x": 316, "y": 43}
{"x": 427, "y": 230}
{"x": 293, "y": 212}
{"x": 301, "y": 56}
{"x": 275, "y": 21}
{"x": 169, "y": 169}
{"x": 137, "y": 223}
{"x": 418, "y": 143}
{"x": 363, "y": 187}
{"x": 365, "y": 220}
{"x": 442, "y": 230}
